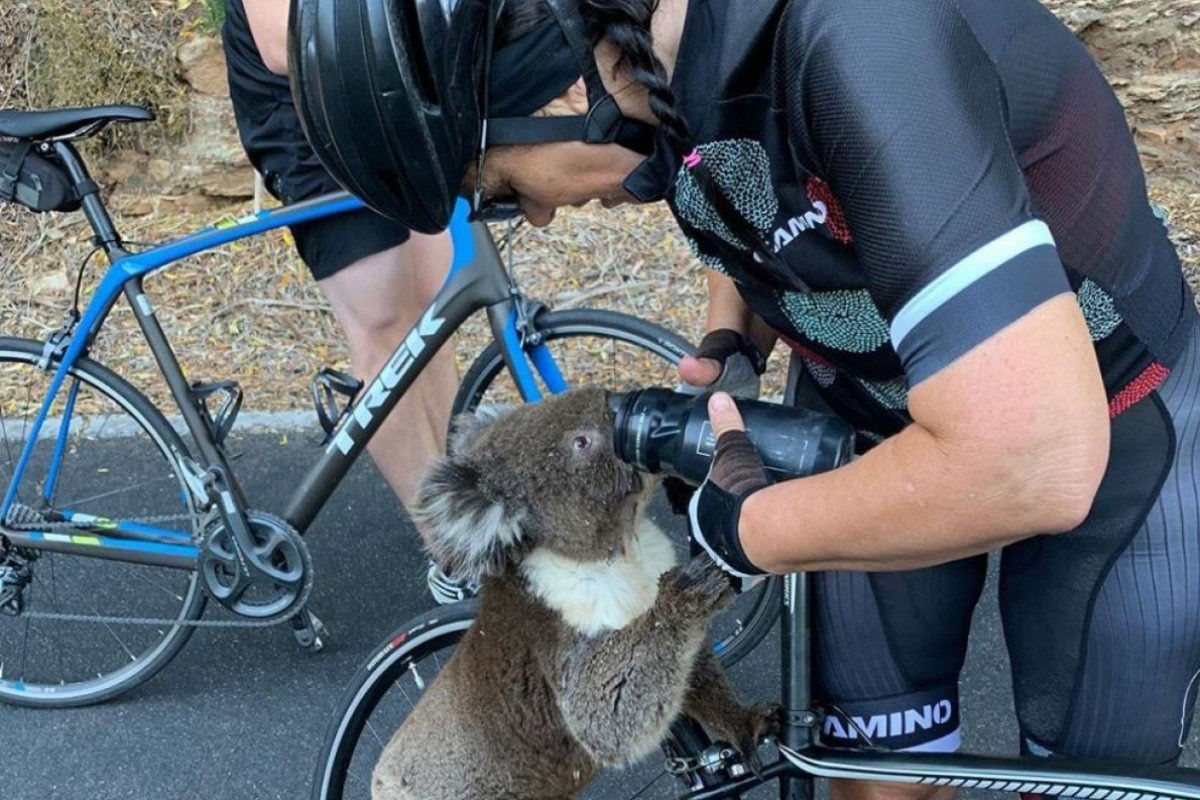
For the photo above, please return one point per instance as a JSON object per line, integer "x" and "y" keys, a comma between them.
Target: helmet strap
{"x": 603, "y": 124}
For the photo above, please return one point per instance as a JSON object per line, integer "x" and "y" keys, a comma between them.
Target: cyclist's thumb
{"x": 723, "y": 414}
{"x": 699, "y": 371}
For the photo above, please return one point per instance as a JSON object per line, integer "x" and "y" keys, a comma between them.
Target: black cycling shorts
{"x": 274, "y": 141}
{"x": 1102, "y": 623}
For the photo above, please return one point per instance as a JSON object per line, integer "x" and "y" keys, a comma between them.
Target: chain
{"x": 152, "y": 621}
{"x": 29, "y": 523}
{"x": 30, "y": 519}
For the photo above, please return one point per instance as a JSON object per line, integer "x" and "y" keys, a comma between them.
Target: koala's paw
{"x": 750, "y": 729}
{"x": 699, "y": 587}
{"x": 760, "y": 723}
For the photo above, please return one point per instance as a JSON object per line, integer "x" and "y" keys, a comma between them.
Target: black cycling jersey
{"x": 928, "y": 171}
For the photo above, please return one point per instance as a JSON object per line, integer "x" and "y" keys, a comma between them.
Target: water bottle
{"x": 661, "y": 431}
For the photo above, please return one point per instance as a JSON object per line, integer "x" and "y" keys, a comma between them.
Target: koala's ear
{"x": 469, "y": 532}
{"x": 464, "y": 428}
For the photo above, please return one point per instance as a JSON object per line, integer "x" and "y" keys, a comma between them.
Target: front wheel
{"x": 620, "y": 352}
{"x": 389, "y": 687}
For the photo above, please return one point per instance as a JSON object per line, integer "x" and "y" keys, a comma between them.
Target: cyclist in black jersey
{"x": 938, "y": 206}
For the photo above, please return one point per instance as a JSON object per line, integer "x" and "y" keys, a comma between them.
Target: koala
{"x": 589, "y": 642}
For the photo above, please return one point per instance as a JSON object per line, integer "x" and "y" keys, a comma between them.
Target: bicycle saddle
{"x": 57, "y": 122}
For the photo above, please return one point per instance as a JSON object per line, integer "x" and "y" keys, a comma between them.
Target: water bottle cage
{"x": 327, "y": 386}
{"x": 220, "y": 423}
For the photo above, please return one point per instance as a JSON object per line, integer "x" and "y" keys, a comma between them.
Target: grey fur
{"x": 528, "y": 707}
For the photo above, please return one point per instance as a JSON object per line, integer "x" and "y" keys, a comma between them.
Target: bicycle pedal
{"x": 327, "y": 386}
{"x": 309, "y": 632}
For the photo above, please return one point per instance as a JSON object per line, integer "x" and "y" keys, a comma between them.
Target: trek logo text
{"x": 389, "y": 376}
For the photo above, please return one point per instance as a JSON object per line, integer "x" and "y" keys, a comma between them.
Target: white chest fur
{"x": 594, "y": 596}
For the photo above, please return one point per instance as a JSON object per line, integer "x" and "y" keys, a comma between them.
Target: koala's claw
{"x": 760, "y": 722}
{"x": 701, "y": 585}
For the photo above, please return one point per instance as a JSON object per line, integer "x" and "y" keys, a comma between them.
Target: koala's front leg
{"x": 620, "y": 691}
{"x": 712, "y": 701}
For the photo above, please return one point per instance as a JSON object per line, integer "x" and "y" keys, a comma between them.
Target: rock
{"x": 159, "y": 169}
{"x": 203, "y": 63}
{"x": 52, "y": 283}
{"x": 132, "y": 205}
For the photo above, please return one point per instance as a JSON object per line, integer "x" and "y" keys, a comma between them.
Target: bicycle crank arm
{"x": 243, "y": 559}
{"x": 1057, "y": 777}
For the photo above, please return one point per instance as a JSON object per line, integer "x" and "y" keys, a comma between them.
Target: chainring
{"x": 259, "y": 597}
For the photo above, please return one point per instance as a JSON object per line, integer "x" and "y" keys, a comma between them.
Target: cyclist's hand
{"x": 736, "y": 473}
{"x": 726, "y": 360}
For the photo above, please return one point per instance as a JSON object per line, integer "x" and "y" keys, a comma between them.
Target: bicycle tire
{"x": 428, "y": 633}
{"x": 556, "y": 325}
{"x": 172, "y": 448}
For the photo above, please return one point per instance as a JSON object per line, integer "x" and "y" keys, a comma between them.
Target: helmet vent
{"x": 415, "y": 58}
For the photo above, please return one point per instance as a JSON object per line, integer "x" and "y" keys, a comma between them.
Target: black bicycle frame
{"x": 804, "y": 758}
{"x": 477, "y": 280}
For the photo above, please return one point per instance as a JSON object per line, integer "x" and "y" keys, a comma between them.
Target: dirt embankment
{"x": 1151, "y": 54}
{"x": 250, "y": 310}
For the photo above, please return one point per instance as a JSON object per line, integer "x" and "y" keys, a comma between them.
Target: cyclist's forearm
{"x": 727, "y": 309}
{"x": 1002, "y": 447}
{"x": 905, "y": 504}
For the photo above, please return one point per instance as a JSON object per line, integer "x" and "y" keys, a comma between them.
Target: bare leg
{"x": 376, "y": 300}
{"x": 870, "y": 790}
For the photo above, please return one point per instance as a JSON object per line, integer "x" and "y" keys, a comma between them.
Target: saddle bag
{"x": 35, "y": 180}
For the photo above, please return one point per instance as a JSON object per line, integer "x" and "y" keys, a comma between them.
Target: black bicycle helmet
{"x": 393, "y": 95}
{"x": 388, "y": 94}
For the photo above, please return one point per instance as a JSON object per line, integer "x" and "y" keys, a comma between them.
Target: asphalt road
{"x": 240, "y": 715}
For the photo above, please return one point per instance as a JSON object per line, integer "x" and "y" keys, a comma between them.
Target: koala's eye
{"x": 581, "y": 444}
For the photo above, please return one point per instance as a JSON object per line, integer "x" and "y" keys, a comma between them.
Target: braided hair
{"x": 625, "y": 23}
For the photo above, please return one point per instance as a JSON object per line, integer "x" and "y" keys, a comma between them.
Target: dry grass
{"x": 250, "y": 310}
{"x": 66, "y": 53}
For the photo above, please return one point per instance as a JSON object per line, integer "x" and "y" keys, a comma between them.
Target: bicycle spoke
{"x": 356, "y": 777}
{"x": 25, "y": 635}
{"x": 612, "y": 357}
{"x": 62, "y": 670}
{"x": 115, "y": 492}
{"x": 120, "y": 641}
{"x": 140, "y": 574}
{"x": 7, "y": 447}
{"x": 374, "y": 733}
{"x": 25, "y": 418}
{"x": 653, "y": 781}
{"x": 411, "y": 704}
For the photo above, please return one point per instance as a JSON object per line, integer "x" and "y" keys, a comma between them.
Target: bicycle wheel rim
{"x": 151, "y": 647}
{"x": 558, "y": 325}
{"x": 756, "y": 612}
{"x": 434, "y": 631}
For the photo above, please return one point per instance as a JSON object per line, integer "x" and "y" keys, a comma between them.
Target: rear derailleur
{"x": 15, "y": 575}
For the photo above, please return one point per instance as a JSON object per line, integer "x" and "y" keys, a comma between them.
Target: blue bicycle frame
{"x": 476, "y": 280}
